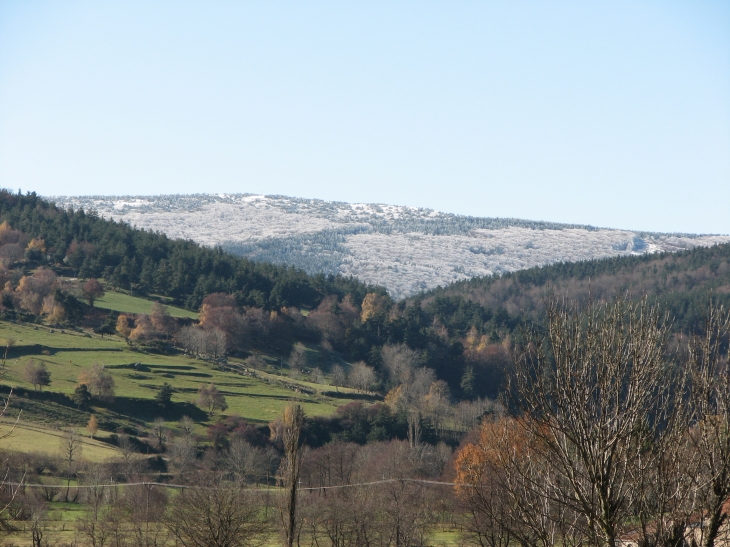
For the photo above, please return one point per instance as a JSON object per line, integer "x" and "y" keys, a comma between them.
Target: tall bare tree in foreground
{"x": 71, "y": 449}
{"x": 291, "y": 430}
{"x": 6, "y": 430}
{"x": 594, "y": 393}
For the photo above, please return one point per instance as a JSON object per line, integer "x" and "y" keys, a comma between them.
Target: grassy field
{"x": 138, "y": 376}
{"x": 30, "y": 437}
{"x": 131, "y": 304}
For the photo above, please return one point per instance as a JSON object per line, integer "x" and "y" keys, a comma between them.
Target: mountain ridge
{"x": 406, "y": 249}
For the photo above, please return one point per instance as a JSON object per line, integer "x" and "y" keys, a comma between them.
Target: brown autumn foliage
{"x": 123, "y": 325}
{"x": 143, "y": 328}
{"x": 373, "y": 305}
{"x": 216, "y": 301}
{"x": 92, "y": 290}
{"x": 328, "y": 320}
{"x": 612, "y": 442}
{"x": 32, "y": 290}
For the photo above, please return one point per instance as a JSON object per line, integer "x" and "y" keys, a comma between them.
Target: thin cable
{"x": 183, "y": 486}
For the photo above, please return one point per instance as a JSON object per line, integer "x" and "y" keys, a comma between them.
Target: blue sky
{"x": 607, "y": 113}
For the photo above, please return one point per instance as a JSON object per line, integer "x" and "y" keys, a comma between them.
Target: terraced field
{"x": 256, "y": 395}
{"x": 31, "y": 437}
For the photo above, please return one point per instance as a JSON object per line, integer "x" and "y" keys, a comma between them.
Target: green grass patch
{"x": 32, "y": 437}
{"x": 132, "y": 304}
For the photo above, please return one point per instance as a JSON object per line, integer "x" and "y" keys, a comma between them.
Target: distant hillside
{"x": 405, "y": 249}
{"x": 82, "y": 244}
{"x": 681, "y": 282}
{"x": 460, "y": 334}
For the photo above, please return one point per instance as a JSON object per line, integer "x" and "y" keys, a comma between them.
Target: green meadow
{"x": 125, "y": 303}
{"x": 138, "y": 375}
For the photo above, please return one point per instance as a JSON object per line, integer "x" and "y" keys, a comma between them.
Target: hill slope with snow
{"x": 402, "y": 248}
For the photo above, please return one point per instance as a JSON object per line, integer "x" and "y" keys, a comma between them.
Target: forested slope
{"x": 144, "y": 261}
{"x": 681, "y": 282}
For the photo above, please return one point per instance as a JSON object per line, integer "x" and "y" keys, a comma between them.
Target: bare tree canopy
{"x": 211, "y": 399}
{"x": 597, "y": 441}
{"x": 215, "y": 514}
{"x": 37, "y": 374}
{"x": 92, "y": 290}
{"x": 99, "y": 381}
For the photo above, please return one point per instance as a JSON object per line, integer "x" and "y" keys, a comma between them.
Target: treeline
{"x": 461, "y": 333}
{"x": 226, "y": 497}
{"x": 223, "y": 489}
{"x": 452, "y": 346}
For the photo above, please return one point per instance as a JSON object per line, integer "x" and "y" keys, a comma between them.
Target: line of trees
{"x": 461, "y": 332}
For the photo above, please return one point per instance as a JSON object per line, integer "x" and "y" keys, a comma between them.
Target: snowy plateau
{"x": 405, "y": 249}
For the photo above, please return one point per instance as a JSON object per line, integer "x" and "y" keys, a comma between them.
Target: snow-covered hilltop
{"x": 403, "y": 248}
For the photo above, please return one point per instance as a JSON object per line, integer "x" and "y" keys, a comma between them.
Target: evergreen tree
{"x": 164, "y": 395}
{"x": 467, "y": 381}
{"x": 81, "y": 396}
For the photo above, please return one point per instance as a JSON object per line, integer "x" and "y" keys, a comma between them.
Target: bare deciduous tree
{"x": 710, "y": 435}
{"x": 211, "y": 399}
{"x": 160, "y": 433}
{"x": 339, "y": 377}
{"x": 210, "y": 342}
{"x": 92, "y": 290}
{"x": 247, "y": 462}
{"x": 595, "y": 390}
{"x": 318, "y": 376}
{"x": 100, "y": 520}
{"x": 601, "y": 423}
{"x": 213, "y": 513}
{"x": 362, "y": 377}
{"x": 128, "y": 451}
{"x": 143, "y": 507}
{"x": 163, "y": 324}
{"x": 298, "y": 356}
{"x": 182, "y": 453}
{"x": 71, "y": 450}
{"x": 292, "y": 422}
{"x": 99, "y": 381}
{"x": 187, "y": 427}
{"x": 400, "y": 361}
{"x": 37, "y": 374}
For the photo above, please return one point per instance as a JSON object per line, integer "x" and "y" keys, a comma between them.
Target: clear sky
{"x": 608, "y": 113}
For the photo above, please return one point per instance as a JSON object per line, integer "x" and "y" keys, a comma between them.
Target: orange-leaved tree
{"x": 495, "y": 474}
